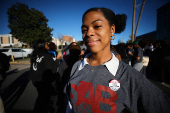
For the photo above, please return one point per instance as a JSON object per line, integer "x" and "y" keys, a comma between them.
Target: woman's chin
{"x": 94, "y": 50}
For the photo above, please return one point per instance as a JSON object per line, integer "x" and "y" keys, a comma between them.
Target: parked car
{"x": 17, "y": 52}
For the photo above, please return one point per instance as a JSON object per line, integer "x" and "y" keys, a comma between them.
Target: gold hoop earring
{"x": 114, "y": 37}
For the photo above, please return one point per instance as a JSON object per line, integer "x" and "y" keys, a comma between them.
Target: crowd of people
{"x": 159, "y": 61}
{"x": 96, "y": 76}
{"x": 158, "y": 55}
{"x": 49, "y": 73}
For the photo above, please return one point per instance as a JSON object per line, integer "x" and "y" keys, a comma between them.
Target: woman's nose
{"x": 90, "y": 32}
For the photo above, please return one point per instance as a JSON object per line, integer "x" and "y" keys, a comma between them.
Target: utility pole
{"x": 122, "y": 40}
{"x": 139, "y": 18}
{"x": 133, "y": 21}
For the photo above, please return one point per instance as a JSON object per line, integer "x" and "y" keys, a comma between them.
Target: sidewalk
{"x": 164, "y": 84}
{"x": 21, "y": 61}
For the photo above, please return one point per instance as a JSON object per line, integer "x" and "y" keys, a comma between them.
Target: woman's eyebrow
{"x": 83, "y": 26}
{"x": 96, "y": 20}
{"x": 91, "y": 23}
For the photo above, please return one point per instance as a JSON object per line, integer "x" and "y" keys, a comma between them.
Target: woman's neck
{"x": 99, "y": 58}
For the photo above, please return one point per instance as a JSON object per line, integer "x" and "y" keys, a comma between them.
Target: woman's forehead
{"x": 94, "y": 16}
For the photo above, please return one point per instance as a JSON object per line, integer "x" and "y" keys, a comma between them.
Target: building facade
{"x": 65, "y": 40}
{"x": 162, "y": 27}
{"x": 8, "y": 40}
{"x": 58, "y": 42}
{"x": 163, "y": 22}
{"x": 68, "y": 38}
{"x": 150, "y": 37}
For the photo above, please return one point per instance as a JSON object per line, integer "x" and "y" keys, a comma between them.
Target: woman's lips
{"x": 92, "y": 43}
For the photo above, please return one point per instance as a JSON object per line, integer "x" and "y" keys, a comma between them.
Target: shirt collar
{"x": 112, "y": 65}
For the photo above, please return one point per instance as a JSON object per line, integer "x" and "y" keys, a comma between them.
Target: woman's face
{"x": 97, "y": 32}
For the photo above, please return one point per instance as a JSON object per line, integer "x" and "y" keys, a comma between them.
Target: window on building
{"x": 1, "y": 40}
{"x": 12, "y": 39}
{"x": 9, "y": 40}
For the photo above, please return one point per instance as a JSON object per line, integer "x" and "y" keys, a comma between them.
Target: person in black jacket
{"x": 43, "y": 74}
{"x": 4, "y": 66}
{"x": 74, "y": 56}
{"x": 120, "y": 48}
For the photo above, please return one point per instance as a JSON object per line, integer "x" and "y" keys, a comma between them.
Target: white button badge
{"x": 114, "y": 85}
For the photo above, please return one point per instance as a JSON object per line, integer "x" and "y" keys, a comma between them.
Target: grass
{"x": 20, "y": 59}
{"x": 59, "y": 50}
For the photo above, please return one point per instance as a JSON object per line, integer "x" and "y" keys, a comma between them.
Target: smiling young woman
{"x": 97, "y": 32}
{"x": 100, "y": 82}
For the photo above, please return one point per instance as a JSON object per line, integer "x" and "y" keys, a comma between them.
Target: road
{"x": 19, "y": 95}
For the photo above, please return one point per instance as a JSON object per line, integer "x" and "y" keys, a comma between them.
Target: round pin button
{"x": 114, "y": 85}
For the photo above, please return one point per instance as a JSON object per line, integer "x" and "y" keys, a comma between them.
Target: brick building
{"x": 68, "y": 38}
{"x": 65, "y": 39}
{"x": 7, "y": 40}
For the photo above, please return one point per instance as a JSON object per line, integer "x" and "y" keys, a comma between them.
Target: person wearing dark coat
{"x": 4, "y": 66}
{"x": 43, "y": 76}
{"x": 120, "y": 48}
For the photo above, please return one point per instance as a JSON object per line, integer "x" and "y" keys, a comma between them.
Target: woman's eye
{"x": 83, "y": 30}
{"x": 97, "y": 26}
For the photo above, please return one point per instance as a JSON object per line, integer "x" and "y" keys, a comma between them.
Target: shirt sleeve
{"x": 114, "y": 52}
{"x": 139, "y": 52}
{"x": 152, "y": 99}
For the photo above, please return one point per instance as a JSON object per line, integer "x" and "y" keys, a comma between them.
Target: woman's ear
{"x": 112, "y": 30}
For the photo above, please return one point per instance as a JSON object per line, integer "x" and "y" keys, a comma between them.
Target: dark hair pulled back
{"x": 118, "y": 20}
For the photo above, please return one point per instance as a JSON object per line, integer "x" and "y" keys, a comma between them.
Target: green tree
{"x": 28, "y": 25}
{"x": 79, "y": 42}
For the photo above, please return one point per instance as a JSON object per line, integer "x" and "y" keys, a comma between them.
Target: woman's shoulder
{"x": 127, "y": 70}
{"x": 75, "y": 67}
{"x": 77, "y": 64}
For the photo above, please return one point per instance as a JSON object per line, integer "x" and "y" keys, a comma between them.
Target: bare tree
{"x": 60, "y": 37}
{"x": 119, "y": 41}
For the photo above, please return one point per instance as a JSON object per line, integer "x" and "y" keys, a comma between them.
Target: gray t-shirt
{"x": 83, "y": 47}
{"x": 95, "y": 89}
{"x": 138, "y": 52}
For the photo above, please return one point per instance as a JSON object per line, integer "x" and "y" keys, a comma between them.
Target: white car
{"x": 17, "y": 52}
